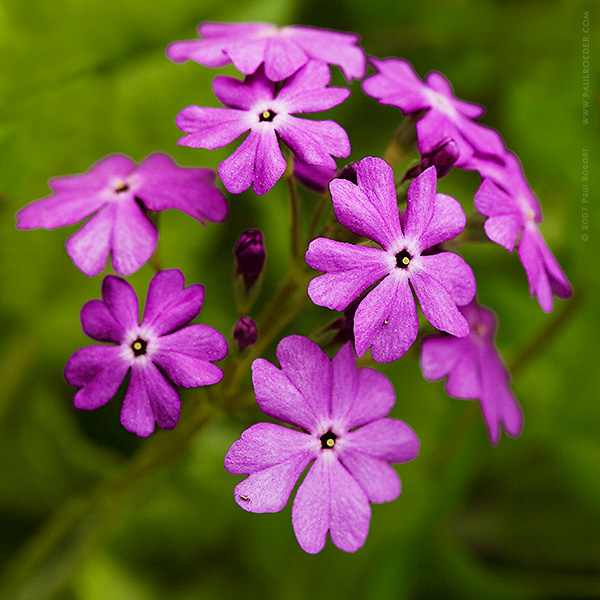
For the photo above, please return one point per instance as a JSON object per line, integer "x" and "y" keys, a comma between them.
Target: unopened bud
{"x": 442, "y": 158}
{"x": 245, "y": 332}
{"x": 250, "y": 256}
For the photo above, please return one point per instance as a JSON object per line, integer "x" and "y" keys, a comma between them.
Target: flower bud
{"x": 442, "y": 158}
{"x": 245, "y": 333}
{"x": 349, "y": 173}
{"x": 250, "y": 256}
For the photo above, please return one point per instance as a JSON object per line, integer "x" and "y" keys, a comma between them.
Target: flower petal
{"x": 314, "y": 142}
{"x": 377, "y": 478}
{"x": 258, "y": 160}
{"x": 350, "y": 270}
{"x": 99, "y": 323}
{"x": 279, "y": 398}
{"x": 169, "y": 304}
{"x": 166, "y": 185}
{"x": 90, "y": 246}
{"x": 244, "y": 95}
{"x": 329, "y": 498}
{"x": 185, "y": 355}
{"x": 149, "y": 398}
{"x": 121, "y": 300}
{"x": 266, "y": 444}
{"x": 134, "y": 238}
{"x": 370, "y": 209}
{"x": 99, "y": 371}
{"x": 446, "y": 222}
{"x": 375, "y": 398}
{"x": 283, "y": 57}
{"x": 437, "y": 302}
{"x": 452, "y": 272}
{"x": 387, "y": 319}
{"x": 391, "y": 440}
{"x": 211, "y": 127}
{"x": 309, "y": 370}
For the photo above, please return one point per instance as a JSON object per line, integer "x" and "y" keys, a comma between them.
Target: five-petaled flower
{"x": 157, "y": 353}
{"x": 282, "y": 50}
{"x": 386, "y": 319}
{"x": 116, "y": 194}
{"x": 257, "y": 106}
{"x": 512, "y": 209}
{"x": 445, "y": 116}
{"x": 475, "y": 371}
{"x": 341, "y": 412}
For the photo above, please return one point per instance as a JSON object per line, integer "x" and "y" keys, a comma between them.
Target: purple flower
{"x": 446, "y": 117}
{"x": 313, "y": 177}
{"x": 257, "y": 106}
{"x": 250, "y": 256}
{"x": 245, "y": 333}
{"x": 157, "y": 353}
{"x": 282, "y": 50}
{"x": 386, "y": 319}
{"x": 475, "y": 371}
{"x": 341, "y": 412}
{"x": 116, "y": 193}
{"x": 512, "y": 209}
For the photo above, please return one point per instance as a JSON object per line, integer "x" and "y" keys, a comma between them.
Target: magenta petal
{"x": 121, "y": 300}
{"x": 169, "y": 304}
{"x": 134, "y": 238}
{"x": 185, "y": 355}
{"x": 453, "y": 273}
{"x": 149, "y": 399}
{"x": 435, "y": 127}
{"x": 266, "y": 444}
{"x": 283, "y": 57}
{"x": 243, "y": 94}
{"x": 344, "y": 385}
{"x": 167, "y": 185}
{"x": 269, "y": 490}
{"x": 99, "y": 323}
{"x": 370, "y": 208}
{"x": 443, "y": 355}
{"x": 377, "y": 478}
{"x": 58, "y": 210}
{"x": 387, "y": 319}
{"x": 330, "y": 499}
{"x": 420, "y": 204}
{"x": 447, "y": 221}
{"x": 257, "y": 160}
{"x": 437, "y": 303}
{"x": 99, "y": 371}
{"x": 279, "y": 398}
{"x": 314, "y": 142}
{"x": 211, "y": 127}
{"x": 334, "y": 47}
{"x": 309, "y": 370}
{"x": 206, "y": 52}
{"x": 247, "y": 54}
{"x": 388, "y": 439}
{"x": 498, "y": 404}
{"x": 350, "y": 270}
{"x": 90, "y": 246}
{"x": 375, "y": 398}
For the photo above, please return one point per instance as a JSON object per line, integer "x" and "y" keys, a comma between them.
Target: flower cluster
{"x": 385, "y": 256}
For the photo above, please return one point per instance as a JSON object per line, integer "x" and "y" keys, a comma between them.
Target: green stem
{"x": 294, "y": 213}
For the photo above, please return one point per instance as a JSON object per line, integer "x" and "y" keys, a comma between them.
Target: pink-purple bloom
{"x": 341, "y": 412}
{"x": 282, "y": 50}
{"x": 475, "y": 371}
{"x": 445, "y": 116}
{"x": 256, "y": 105}
{"x": 158, "y": 354}
{"x": 116, "y": 194}
{"x": 512, "y": 209}
{"x": 386, "y": 318}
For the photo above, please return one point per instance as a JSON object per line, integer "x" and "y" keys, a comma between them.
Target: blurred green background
{"x": 80, "y": 79}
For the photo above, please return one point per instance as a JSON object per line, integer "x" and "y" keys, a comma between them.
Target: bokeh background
{"x": 80, "y": 79}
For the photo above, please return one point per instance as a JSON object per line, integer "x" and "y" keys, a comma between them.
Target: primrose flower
{"x": 512, "y": 209}
{"x": 445, "y": 118}
{"x": 386, "y": 318}
{"x": 341, "y": 411}
{"x": 257, "y": 106}
{"x": 115, "y": 193}
{"x": 282, "y": 50}
{"x": 159, "y": 354}
{"x": 475, "y": 371}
